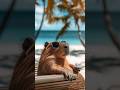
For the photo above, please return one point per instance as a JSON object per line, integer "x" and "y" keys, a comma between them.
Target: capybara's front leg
{"x": 60, "y": 70}
{"x": 75, "y": 69}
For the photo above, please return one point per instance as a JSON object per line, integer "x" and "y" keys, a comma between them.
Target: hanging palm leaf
{"x": 50, "y": 6}
{"x": 49, "y": 11}
{"x": 63, "y": 30}
{"x": 75, "y": 2}
{"x": 62, "y": 6}
{"x": 82, "y": 4}
{"x": 62, "y": 18}
{"x": 82, "y": 18}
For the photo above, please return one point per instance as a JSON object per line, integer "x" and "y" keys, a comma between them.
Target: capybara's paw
{"x": 76, "y": 69}
{"x": 69, "y": 76}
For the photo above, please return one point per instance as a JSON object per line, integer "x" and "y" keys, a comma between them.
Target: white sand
{"x": 80, "y": 59}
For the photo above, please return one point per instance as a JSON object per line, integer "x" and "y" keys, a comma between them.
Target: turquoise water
{"x": 70, "y": 36}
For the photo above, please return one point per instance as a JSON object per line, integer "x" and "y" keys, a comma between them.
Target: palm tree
{"x": 79, "y": 36}
{"x": 115, "y": 39}
{"x": 74, "y": 10}
{"x": 7, "y": 16}
{"x": 38, "y": 32}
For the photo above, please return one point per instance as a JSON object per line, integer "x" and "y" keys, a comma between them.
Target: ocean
{"x": 69, "y": 36}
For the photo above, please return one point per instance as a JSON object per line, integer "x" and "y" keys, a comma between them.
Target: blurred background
{"x": 102, "y": 44}
{"x": 16, "y": 23}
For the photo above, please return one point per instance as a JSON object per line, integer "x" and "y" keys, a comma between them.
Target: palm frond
{"x": 75, "y": 2}
{"x": 50, "y": 19}
{"x": 50, "y": 6}
{"x": 82, "y": 4}
{"x": 62, "y": 18}
{"x": 63, "y": 30}
{"x": 62, "y": 7}
{"x": 49, "y": 10}
{"x": 82, "y": 18}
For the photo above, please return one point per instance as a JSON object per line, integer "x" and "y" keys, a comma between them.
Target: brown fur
{"x": 24, "y": 75}
{"x": 54, "y": 61}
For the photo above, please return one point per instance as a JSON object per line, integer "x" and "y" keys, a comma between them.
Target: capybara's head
{"x": 59, "y": 49}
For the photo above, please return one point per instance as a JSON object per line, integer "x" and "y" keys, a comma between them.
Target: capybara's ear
{"x": 46, "y": 43}
{"x": 27, "y": 43}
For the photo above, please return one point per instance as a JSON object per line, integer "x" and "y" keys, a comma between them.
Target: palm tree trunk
{"x": 7, "y": 16}
{"x": 38, "y": 32}
{"x": 108, "y": 23}
{"x": 79, "y": 36}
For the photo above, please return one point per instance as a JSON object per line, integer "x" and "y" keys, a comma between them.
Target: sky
{"x": 56, "y": 26}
